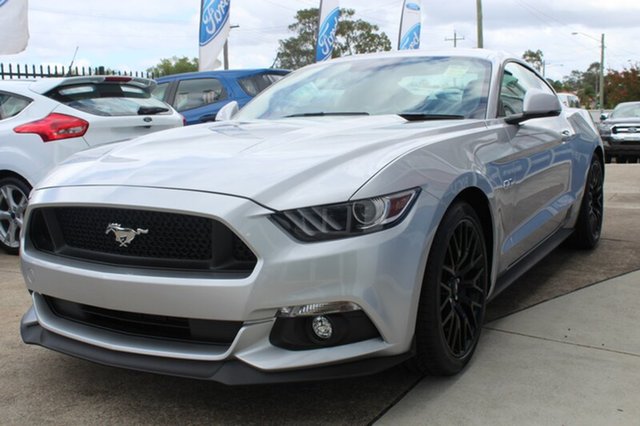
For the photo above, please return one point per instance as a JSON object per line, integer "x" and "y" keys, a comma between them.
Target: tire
{"x": 14, "y": 195}
{"x": 453, "y": 297}
{"x": 588, "y": 227}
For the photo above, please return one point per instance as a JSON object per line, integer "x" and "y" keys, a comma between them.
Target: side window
{"x": 575, "y": 102}
{"x": 516, "y": 80}
{"x": 198, "y": 92}
{"x": 11, "y": 105}
{"x": 160, "y": 91}
{"x": 257, "y": 83}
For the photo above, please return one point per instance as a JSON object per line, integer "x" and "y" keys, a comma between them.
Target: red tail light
{"x": 184, "y": 120}
{"x": 55, "y": 127}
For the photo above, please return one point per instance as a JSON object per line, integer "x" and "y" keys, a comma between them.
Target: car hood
{"x": 629, "y": 120}
{"x": 280, "y": 164}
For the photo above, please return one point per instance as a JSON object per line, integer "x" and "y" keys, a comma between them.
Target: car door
{"x": 200, "y": 99}
{"x": 540, "y": 167}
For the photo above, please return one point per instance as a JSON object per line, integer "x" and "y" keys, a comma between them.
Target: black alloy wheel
{"x": 595, "y": 199}
{"x": 588, "y": 227}
{"x": 454, "y": 293}
{"x": 462, "y": 288}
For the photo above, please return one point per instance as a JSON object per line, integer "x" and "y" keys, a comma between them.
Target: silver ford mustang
{"x": 358, "y": 214}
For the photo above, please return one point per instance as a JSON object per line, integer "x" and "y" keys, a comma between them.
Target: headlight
{"x": 605, "y": 129}
{"x": 349, "y": 219}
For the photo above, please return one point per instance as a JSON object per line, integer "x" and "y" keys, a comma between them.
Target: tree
{"x": 557, "y": 85}
{"x": 536, "y": 59}
{"x": 174, "y": 65}
{"x": 622, "y": 86}
{"x": 352, "y": 36}
{"x": 584, "y": 84}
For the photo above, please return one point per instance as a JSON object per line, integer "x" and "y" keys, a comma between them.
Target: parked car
{"x": 620, "y": 132}
{"x": 200, "y": 95}
{"x": 358, "y": 214}
{"x": 42, "y": 122}
{"x": 569, "y": 100}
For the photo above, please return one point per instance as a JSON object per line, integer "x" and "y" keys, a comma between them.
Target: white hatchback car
{"x": 42, "y": 122}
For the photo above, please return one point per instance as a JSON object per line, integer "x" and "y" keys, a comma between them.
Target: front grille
{"x": 145, "y": 325}
{"x": 141, "y": 238}
{"x": 628, "y": 130}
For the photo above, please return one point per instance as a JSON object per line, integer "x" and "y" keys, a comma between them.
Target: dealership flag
{"x": 214, "y": 30}
{"x": 409, "y": 37}
{"x": 327, "y": 26}
{"x": 14, "y": 26}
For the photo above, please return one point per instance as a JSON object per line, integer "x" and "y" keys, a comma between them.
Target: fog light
{"x": 322, "y": 327}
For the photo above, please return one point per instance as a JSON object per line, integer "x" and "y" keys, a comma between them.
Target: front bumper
{"x": 232, "y": 372}
{"x": 621, "y": 146}
{"x": 381, "y": 273}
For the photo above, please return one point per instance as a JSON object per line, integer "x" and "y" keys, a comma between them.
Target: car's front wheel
{"x": 453, "y": 297}
{"x": 14, "y": 195}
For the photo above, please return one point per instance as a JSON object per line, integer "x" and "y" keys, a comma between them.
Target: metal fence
{"x": 17, "y": 71}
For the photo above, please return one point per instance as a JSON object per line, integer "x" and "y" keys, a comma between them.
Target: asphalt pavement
{"x": 562, "y": 346}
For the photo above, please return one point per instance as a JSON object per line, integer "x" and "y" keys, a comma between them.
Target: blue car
{"x": 198, "y": 96}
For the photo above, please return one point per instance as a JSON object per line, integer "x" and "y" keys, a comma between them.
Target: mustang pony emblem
{"x": 124, "y": 235}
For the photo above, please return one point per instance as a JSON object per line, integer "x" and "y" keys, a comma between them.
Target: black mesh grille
{"x": 155, "y": 239}
{"x": 145, "y": 325}
{"x": 170, "y": 236}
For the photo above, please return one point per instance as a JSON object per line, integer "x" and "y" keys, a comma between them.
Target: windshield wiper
{"x": 146, "y": 110}
{"x": 322, "y": 114}
{"x": 410, "y": 116}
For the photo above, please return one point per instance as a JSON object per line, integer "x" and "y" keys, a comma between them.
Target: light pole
{"x": 479, "y": 23}
{"x": 546, "y": 64}
{"x": 225, "y": 49}
{"x": 601, "y": 77}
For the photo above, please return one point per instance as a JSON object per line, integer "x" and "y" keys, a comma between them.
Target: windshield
{"x": 626, "y": 111}
{"x": 453, "y": 86}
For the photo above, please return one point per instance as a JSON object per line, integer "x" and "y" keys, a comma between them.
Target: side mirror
{"x": 537, "y": 104}
{"x": 603, "y": 116}
{"x": 227, "y": 112}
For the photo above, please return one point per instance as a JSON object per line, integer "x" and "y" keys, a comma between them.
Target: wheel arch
{"x": 8, "y": 173}
{"x": 480, "y": 204}
{"x": 599, "y": 152}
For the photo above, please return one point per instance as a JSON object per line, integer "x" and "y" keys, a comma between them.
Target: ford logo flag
{"x": 329, "y": 16}
{"x": 214, "y": 30}
{"x": 411, "y": 39}
{"x": 14, "y": 26}
{"x": 215, "y": 14}
{"x": 412, "y": 6}
{"x": 409, "y": 36}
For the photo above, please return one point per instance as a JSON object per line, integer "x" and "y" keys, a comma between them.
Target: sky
{"x": 133, "y": 35}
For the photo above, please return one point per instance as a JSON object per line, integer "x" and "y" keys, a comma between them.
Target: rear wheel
{"x": 14, "y": 195}
{"x": 589, "y": 225}
{"x": 453, "y": 297}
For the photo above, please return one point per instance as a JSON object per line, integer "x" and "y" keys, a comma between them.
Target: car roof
{"x": 16, "y": 86}
{"x": 43, "y": 85}
{"x": 222, "y": 73}
{"x": 628, "y": 103}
